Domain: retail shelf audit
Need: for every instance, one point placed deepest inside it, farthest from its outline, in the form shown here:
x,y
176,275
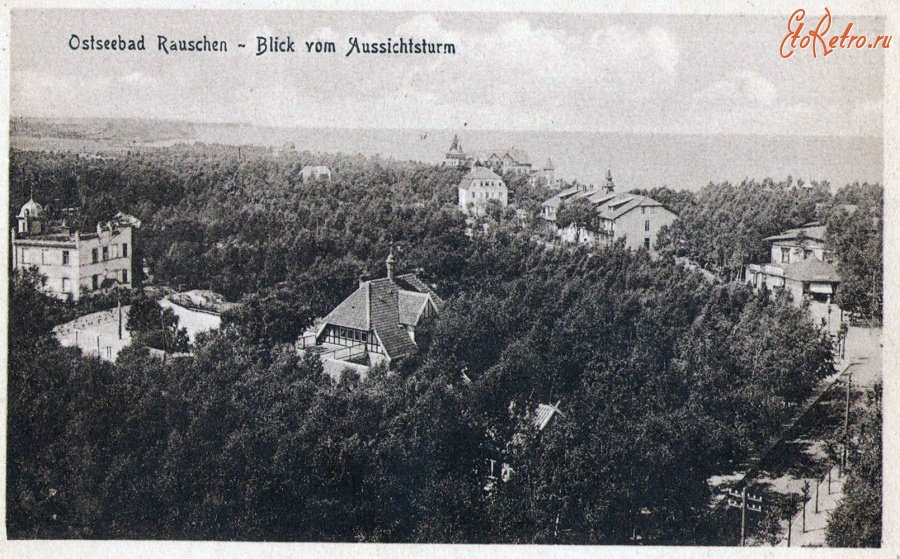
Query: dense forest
x,y
724,225
661,377
857,520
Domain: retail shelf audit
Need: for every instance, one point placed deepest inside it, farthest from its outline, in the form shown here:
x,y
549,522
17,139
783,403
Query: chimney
x,y
362,280
609,182
390,265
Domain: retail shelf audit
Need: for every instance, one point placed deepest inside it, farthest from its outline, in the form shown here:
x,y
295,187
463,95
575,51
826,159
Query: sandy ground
x,y
804,458
98,333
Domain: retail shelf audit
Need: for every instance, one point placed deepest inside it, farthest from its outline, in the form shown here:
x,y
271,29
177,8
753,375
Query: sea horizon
x,y
648,160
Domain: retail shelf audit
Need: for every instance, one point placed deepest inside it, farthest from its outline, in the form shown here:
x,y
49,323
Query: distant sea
x,y
636,160
679,161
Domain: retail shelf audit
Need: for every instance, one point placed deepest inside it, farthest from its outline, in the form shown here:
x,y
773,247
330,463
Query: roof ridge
x,y
368,300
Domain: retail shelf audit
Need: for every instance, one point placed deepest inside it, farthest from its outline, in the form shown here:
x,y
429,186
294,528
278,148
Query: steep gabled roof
x,y
410,306
353,312
411,282
518,156
385,318
383,306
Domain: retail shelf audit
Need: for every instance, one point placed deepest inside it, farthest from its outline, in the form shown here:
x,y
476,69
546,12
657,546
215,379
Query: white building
x,y
315,172
73,263
478,188
633,217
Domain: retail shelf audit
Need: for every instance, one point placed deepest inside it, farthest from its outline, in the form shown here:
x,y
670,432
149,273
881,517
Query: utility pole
x,y
789,532
162,323
818,483
745,506
805,500
743,515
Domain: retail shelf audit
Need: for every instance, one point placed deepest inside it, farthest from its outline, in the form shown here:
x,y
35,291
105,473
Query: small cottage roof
x,y
812,231
811,270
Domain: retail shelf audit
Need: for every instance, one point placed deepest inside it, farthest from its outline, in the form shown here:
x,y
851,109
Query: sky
x,y
638,73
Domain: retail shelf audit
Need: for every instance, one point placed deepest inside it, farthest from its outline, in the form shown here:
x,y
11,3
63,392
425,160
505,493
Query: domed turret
x,y
31,209
31,218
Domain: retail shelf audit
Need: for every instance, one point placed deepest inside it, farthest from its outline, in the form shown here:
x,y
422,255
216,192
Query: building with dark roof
x,y
377,322
633,217
801,263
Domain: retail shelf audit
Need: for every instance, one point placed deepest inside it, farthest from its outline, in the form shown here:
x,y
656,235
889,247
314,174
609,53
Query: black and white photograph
x,y
533,276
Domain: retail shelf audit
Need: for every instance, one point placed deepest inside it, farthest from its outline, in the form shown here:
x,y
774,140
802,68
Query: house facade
x,y
478,188
377,323
315,172
801,263
546,175
635,218
74,263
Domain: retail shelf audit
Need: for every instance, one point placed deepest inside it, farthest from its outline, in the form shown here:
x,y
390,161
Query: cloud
x,y
741,87
426,26
631,51
138,78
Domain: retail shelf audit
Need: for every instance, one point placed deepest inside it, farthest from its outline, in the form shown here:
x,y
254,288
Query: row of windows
x,y
494,195
47,256
351,334
106,251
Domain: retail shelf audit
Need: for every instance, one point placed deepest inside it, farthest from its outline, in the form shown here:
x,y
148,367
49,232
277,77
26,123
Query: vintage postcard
x,y
306,280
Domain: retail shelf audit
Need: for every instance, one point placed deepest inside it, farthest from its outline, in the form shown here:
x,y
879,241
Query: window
x,y
643,209
647,243
66,288
115,251
45,256
785,254
105,254
124,250
94,257
95,281
647,225
65,257
124,276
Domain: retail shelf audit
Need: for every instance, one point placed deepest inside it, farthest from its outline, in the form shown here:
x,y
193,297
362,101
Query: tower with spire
x,y
610,186
455,156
